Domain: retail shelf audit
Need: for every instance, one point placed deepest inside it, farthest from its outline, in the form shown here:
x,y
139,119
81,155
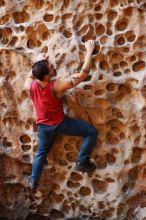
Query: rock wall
x,y
112,98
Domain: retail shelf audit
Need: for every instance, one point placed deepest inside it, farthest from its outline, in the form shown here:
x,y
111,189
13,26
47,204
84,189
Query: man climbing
x,y
51,120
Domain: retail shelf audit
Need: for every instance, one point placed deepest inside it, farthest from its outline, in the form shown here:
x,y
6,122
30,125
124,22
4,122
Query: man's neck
x,y
44,82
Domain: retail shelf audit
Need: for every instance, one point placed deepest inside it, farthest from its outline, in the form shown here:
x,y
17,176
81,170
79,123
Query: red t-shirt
x,y
49,109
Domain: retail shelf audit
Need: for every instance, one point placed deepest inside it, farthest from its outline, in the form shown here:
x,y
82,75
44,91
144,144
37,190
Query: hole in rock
x,y
109,32
99,186
118,73
13,41
139,1
44,50
111,87
112,139
76,176
116,112
144,6
83,208
88,87
126,187
138,66
48,17
85,191
112,15
108,213
123,64
116,66
98,16
10,75
136,154
68,147
104,65
35,148
72,184
109,180
101,77
26,158
113,3
110,158
97,8
63,163
103,39
66,3
99,92
5,19
133,173
2,3
88,78
100,162
9,144
67,16
61,28
31,44
5,35
131,38
126,89
101,205
38,4
45,35
24,95
117,57
127,71
21,28
26,147
73,49
25,139
133,58
96,49
67,33
57,155
121,40
100,30
21,17
115,130
6,143
71,156
122,25
126,49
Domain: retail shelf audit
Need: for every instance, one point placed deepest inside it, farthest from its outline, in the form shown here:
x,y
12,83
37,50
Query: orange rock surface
x,y
112,98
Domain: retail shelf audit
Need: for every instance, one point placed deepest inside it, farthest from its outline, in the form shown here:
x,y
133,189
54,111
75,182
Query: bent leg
x,y
77,127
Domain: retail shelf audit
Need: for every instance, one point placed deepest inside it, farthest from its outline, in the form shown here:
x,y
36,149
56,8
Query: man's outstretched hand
x,y
90,45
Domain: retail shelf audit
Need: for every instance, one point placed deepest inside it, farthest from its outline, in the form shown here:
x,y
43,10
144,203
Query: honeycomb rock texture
x,y
112,98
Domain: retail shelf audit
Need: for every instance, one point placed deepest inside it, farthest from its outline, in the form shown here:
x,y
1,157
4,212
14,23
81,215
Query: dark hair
x,y
40,69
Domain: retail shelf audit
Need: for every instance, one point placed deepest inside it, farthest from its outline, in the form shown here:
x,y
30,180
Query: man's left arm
x,y
28,81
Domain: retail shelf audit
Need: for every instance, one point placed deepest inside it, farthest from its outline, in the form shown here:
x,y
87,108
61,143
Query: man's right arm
x,y
61,85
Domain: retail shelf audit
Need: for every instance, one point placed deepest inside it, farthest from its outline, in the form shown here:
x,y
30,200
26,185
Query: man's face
x,y
52,70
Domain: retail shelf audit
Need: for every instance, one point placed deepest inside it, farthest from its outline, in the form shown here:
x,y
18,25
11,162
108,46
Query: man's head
x,y
42,68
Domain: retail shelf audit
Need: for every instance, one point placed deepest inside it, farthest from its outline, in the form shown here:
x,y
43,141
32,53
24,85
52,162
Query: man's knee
x,y
94,132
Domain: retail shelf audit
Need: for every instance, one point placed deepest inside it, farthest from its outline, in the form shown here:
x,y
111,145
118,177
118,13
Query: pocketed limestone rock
x,y
112,98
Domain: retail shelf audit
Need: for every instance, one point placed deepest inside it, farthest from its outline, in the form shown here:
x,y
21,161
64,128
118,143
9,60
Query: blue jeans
x,y
69,126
